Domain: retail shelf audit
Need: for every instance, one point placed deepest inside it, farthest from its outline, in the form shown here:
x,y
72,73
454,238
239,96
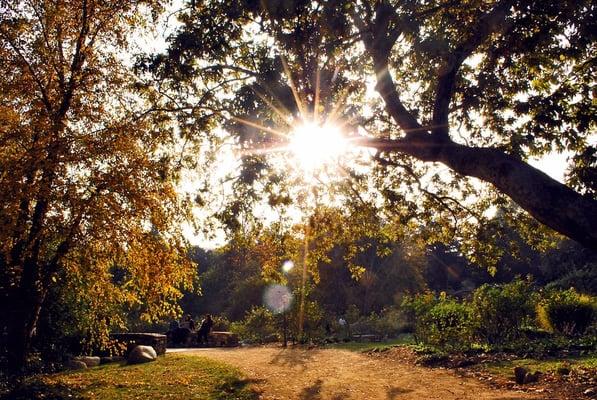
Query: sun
x,y
314,145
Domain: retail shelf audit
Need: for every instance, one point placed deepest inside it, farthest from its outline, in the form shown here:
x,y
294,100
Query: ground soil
x,y
302,373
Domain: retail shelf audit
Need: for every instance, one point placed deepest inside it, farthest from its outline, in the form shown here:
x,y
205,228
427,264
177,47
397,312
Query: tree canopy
x,y
89,214
478,86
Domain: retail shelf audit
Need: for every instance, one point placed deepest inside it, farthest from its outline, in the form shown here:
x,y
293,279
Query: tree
x,y
479,86
88,200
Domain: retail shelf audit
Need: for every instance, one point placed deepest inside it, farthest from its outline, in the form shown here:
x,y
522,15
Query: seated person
x,y
188,323
204,329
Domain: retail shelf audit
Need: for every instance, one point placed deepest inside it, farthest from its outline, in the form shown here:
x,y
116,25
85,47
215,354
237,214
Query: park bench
x,y
367,337
131,340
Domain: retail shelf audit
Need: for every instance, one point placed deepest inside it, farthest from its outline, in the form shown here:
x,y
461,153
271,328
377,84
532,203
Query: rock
x,y
564,371
519,374
532,377
464,363
107,360
142,354
88,360
75,365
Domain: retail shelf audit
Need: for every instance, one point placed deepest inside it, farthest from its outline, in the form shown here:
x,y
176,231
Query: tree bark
x,y
547,200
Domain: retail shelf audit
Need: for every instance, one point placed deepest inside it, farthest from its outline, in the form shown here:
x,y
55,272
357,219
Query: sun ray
x,y
256,151
285,116
316,100
297,98
261,127
334,114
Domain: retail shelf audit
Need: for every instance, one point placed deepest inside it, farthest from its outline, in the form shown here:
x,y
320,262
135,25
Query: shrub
x,y
583,279
415,310
449,324
567,312
499,311
221,323
441,321
258,326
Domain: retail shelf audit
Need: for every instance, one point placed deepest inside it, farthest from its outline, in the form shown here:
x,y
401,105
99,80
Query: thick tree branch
x,y
547,200
492,22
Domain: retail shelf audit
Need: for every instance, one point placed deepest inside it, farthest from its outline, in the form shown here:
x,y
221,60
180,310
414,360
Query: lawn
x,y
505,368
376,346
174,376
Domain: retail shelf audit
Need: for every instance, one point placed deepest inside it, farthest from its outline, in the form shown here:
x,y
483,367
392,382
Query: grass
x,y
174,376
373,346
505,368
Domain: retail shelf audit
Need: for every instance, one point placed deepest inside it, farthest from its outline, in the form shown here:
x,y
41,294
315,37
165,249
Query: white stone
x,y
142,354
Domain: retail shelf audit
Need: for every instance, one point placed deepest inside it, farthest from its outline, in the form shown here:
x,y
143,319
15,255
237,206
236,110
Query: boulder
x,y
88,360
75,365
523,375
142,354
519,374
131,340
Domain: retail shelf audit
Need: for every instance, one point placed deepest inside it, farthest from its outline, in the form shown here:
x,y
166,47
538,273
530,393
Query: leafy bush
x,y
442,321
221,323
499,311
567,312
449,324
582,279
258,326
415,309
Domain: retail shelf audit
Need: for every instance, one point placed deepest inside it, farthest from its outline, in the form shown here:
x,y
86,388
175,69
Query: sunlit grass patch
x,y
505,368
373,346
171,377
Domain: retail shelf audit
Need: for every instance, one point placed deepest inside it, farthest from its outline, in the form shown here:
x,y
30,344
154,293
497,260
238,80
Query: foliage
x,y
221,323
440,321
258,326
269,68
567,312
390,322
180,376
89,205
583,279
499,311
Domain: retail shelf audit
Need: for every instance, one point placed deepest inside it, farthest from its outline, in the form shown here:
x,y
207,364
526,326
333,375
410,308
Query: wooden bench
x,y
367,337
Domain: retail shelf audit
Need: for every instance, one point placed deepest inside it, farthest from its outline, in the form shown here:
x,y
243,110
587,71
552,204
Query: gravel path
x,y
338,374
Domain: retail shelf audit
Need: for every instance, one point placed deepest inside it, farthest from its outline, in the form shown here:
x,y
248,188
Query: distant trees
x,y
88,210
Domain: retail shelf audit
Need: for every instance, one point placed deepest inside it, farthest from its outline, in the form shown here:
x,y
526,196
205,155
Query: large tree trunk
x,y
547,200
27,303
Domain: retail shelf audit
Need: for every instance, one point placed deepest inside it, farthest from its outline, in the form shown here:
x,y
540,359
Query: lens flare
x,y
287,266
277,298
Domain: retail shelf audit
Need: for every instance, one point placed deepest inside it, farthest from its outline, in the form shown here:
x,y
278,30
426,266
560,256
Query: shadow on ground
x,y
293,357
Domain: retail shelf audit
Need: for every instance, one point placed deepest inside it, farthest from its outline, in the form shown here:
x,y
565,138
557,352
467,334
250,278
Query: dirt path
x,y
338,374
